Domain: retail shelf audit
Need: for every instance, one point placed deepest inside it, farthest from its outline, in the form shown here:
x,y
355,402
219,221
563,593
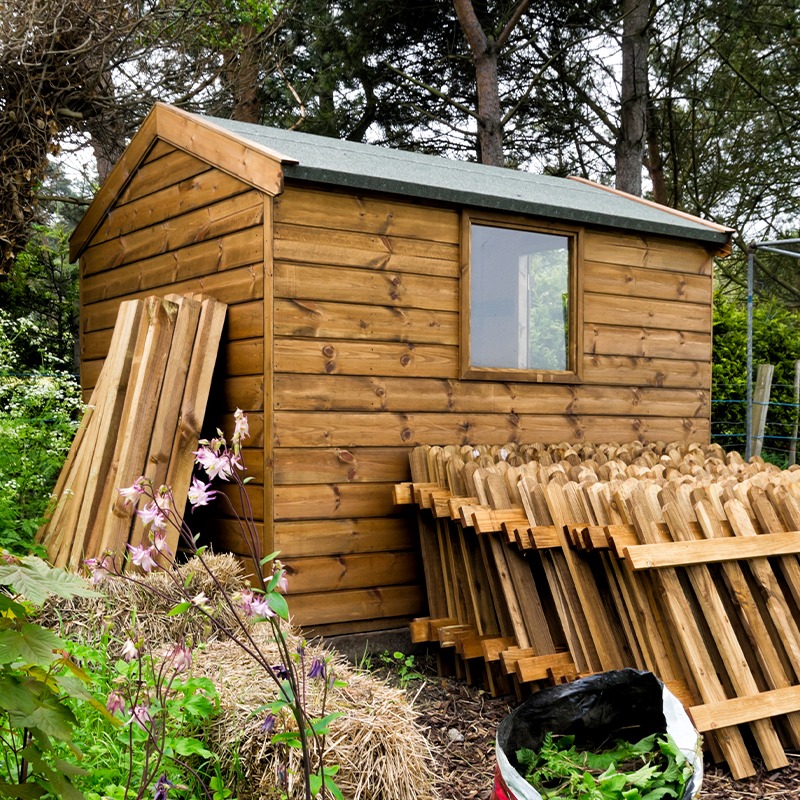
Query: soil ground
x,y
460,722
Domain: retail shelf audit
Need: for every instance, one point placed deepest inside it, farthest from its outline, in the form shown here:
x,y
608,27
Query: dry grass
x,y
380,750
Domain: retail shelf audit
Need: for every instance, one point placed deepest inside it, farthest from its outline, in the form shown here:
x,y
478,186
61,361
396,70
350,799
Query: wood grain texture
x,y
333,429
345,285
647,342
306,318
627,281
364,214
295,392
367,251
639,250
609,309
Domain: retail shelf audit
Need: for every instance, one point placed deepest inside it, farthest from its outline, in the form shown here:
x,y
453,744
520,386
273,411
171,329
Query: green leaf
x,y
191,747
289,738
40,709
179,609
34,579
11,608
270,557
320,726
277,602
30,643
21,791
199,705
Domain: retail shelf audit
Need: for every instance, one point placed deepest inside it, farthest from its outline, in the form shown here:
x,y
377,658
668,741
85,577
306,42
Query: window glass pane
x,y
519,299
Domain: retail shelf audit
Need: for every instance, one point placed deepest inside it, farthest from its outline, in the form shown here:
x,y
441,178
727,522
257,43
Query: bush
x,y
776,340
39,412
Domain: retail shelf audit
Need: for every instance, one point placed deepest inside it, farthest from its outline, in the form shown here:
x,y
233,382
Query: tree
x,y
90,70
632,135
486,50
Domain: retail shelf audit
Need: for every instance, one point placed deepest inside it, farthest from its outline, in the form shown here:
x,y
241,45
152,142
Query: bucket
x,y
623,704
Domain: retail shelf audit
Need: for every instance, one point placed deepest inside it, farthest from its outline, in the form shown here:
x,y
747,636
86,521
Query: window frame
x,y
574,374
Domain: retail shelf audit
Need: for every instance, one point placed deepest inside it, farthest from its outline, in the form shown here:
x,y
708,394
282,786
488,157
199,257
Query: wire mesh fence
x,y
779,440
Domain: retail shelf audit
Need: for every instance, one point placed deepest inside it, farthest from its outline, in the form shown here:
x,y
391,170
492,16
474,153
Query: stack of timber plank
x,y
546,563
143,418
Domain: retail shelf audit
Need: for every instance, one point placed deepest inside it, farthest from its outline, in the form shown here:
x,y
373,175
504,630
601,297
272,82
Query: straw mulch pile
x,y
380,751
379,748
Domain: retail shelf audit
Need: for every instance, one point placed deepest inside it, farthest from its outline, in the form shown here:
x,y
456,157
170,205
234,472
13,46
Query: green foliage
x,y
174,704
650,769
402,666
40,296
776,340
38,417
39,396
36,678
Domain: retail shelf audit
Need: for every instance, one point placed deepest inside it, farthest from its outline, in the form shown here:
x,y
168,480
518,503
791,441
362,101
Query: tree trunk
x,y
243,76
655,164
633,117
485,51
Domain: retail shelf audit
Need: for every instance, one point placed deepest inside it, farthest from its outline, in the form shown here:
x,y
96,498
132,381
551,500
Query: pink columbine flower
x,y
201,601
140,715
132,493
180,657
115,702
143,556
200,494
129,650
217,465
261,607
160,542
153,514
242,427
246,598
99,568
283,584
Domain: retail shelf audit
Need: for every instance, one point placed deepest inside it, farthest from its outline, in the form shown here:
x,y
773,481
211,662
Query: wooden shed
x,y
380,300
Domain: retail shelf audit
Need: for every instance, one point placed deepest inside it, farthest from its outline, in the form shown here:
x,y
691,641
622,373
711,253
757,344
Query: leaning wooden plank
x,y
710,551
740,710
763,645
769,521
113,521
165,423
602,634
568,609
688,634
730,649
527,592
440,601
45,534
194,401
536,668
98,447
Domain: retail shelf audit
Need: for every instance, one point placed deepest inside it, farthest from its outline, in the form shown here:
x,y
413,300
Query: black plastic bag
x,y
624,704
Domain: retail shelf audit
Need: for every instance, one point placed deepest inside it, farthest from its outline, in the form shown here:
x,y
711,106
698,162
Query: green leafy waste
x,y
650,769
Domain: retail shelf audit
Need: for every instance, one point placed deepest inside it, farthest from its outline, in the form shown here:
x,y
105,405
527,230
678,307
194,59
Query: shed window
x,y
521,298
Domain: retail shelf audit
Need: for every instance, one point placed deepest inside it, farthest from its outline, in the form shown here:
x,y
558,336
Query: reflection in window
x,y
519,299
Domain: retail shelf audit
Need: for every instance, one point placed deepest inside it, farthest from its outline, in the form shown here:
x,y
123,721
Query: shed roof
x,y
364,166
264,156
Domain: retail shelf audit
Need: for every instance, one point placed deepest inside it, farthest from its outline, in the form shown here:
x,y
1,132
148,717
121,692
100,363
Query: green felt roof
x,y
368,167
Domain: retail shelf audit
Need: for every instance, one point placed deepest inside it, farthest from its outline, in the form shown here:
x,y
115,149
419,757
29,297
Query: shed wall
x,y
365,324
361,356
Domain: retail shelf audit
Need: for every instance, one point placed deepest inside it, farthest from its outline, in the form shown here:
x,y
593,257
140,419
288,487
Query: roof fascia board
x,y
724,249
251,163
